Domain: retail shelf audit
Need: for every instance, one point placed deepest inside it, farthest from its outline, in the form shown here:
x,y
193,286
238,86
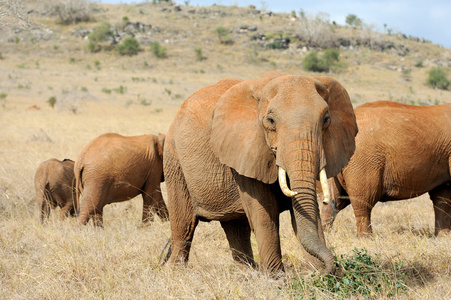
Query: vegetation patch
x,y
158,50
101,37
438,78
329,60
223,35
130,46
363,277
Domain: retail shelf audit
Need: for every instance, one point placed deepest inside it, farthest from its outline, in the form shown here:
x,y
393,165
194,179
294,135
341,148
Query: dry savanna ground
x,y
105,92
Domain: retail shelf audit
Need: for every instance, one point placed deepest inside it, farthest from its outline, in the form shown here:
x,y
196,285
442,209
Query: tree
x,y
353,21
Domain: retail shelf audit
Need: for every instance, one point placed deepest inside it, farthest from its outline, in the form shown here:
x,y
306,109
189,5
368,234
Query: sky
x,y
430,20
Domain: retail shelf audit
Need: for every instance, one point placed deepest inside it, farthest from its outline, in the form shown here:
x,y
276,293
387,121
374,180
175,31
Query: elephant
x,y
230,142
115,168
54,184
402,151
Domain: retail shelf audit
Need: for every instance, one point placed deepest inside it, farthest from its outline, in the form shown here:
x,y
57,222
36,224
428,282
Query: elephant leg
x,y
67,205
441,198
262,210
181,216
91,207
153,203
364,186
97,218
238,234
66,210
44,209
363,220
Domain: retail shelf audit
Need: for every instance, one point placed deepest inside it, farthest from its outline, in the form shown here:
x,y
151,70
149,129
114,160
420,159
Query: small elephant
x,y
402,151
114,168
228,145
54,184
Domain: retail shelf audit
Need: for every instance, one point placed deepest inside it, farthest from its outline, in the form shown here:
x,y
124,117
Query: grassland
x,y
105,92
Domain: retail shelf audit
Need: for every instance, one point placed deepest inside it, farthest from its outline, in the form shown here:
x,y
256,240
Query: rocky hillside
x,y
182,48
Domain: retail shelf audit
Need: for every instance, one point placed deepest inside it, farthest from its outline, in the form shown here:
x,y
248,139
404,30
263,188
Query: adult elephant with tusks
x,y
225,149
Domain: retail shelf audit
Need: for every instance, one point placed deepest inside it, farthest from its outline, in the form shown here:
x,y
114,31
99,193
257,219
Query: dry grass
x,y
61,261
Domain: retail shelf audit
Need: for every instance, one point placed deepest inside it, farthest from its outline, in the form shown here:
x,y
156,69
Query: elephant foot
x,y
442,233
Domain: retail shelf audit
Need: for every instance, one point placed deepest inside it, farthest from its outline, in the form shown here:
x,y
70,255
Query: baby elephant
x,y
54,183
115,168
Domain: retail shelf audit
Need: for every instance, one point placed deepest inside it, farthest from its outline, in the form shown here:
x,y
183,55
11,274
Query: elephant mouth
x,y
289,193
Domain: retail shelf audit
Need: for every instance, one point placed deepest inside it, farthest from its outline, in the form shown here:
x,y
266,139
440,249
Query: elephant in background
x,y
54,184
402,151
231,141
115,168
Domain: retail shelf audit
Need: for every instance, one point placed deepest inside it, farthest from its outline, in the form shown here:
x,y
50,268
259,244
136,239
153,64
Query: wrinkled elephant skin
x,y
114,168
223,151
402,151
54,184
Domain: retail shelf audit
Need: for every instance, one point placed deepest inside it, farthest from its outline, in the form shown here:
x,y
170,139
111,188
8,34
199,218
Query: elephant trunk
x,y
303,170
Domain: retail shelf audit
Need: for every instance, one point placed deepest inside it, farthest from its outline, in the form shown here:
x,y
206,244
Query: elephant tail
x,y
78,188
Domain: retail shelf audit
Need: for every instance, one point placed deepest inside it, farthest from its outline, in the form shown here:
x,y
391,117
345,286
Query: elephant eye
x,y
270,123
326,121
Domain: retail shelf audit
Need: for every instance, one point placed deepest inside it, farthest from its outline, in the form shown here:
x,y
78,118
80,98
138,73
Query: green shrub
x,y
223,35
130,46
438,78
330,57
158,50
199,55
312,63
52,101
120,90
101,37
363,277
325,63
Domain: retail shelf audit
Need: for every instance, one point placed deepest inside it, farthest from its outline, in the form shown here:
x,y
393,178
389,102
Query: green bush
x,y
223,35
130,46
52,101
158,50
438,78
199,55
330,57
312,63
101,37
363,277
325,63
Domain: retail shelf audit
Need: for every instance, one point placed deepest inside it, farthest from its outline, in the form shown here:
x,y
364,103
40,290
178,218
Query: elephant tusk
x,y
324,186
283,183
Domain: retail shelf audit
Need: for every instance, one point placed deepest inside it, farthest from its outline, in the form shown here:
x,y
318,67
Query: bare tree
x,y
315,30
71,11
14,15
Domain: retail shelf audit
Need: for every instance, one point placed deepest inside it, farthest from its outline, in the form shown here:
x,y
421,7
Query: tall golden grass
x,y
58,260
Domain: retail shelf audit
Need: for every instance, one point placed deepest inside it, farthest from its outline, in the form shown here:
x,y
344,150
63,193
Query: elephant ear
x,y
237,138
339,137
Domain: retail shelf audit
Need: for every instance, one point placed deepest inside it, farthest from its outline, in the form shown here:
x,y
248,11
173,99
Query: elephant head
x,y
284,122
